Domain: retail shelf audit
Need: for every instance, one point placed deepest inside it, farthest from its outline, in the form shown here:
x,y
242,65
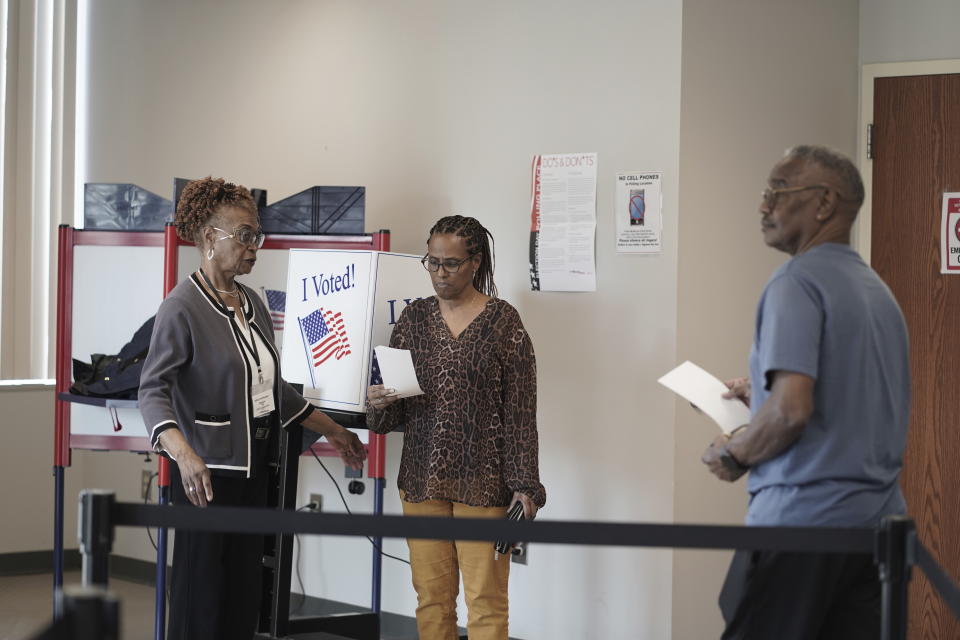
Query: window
x,y
37,123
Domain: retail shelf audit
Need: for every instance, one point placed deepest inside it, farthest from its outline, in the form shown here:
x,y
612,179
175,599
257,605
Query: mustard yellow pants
x,y
437,566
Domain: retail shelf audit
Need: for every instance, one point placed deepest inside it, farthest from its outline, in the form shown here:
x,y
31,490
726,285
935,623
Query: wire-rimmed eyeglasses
x,y
244,235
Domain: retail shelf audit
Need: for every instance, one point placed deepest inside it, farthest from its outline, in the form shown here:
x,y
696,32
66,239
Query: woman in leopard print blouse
x,y
470,444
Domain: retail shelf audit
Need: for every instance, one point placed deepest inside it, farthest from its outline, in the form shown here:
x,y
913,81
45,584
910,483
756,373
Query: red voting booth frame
x,y
64,442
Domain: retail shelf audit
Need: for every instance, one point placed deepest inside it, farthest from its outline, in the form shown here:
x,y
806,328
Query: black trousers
x,y
802,596
216,578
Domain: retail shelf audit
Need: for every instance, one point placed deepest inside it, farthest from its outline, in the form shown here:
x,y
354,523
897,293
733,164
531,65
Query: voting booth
x,y
110,282
340,305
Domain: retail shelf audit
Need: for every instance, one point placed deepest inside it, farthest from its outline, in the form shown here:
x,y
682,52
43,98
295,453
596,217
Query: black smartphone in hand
x,y
515,513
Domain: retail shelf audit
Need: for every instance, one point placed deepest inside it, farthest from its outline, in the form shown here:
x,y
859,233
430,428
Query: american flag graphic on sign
x,y
277,303
325,336
375,376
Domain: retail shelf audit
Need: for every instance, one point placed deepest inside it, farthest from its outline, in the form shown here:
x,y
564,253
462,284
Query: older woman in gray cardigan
x,y
214,402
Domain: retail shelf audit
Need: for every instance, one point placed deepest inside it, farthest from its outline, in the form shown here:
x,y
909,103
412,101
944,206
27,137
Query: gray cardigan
x,y
197,379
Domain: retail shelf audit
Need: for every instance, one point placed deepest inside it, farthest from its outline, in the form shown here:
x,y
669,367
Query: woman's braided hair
x,y
479,241
200,201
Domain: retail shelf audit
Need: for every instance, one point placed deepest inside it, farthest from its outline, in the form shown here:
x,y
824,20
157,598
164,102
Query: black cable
x,y
347,507
296,541
146,500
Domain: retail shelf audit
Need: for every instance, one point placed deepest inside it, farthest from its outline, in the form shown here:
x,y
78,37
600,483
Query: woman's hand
x,y
529,508
380,397
196,479
349,447
193,471
346,442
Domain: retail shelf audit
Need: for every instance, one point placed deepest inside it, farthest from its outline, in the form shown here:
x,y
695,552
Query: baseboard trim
x,y
31,562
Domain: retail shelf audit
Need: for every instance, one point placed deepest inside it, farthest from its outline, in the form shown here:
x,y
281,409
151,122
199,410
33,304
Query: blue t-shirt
x,y
827,315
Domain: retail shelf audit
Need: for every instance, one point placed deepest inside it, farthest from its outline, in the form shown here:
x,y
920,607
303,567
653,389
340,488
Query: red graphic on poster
x,y
950,242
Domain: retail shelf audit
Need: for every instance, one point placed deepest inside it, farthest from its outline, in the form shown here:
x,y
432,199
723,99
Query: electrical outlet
x,y
519,553
317,499
145,476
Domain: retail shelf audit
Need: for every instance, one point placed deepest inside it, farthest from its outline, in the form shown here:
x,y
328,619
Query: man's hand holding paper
x,y
725,404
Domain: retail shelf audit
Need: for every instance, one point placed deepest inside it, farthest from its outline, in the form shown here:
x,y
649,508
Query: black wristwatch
x,y
728,460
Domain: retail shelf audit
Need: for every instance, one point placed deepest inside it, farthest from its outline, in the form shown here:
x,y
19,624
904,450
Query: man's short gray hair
x,y
836,163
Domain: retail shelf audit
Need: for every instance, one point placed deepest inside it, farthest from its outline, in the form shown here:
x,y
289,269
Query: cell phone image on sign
x,y
638,206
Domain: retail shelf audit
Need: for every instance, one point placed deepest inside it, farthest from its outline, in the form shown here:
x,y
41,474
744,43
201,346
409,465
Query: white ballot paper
x,y
706,392
396,369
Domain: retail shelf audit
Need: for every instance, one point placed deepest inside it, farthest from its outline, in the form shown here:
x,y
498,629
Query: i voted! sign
x,y
340,304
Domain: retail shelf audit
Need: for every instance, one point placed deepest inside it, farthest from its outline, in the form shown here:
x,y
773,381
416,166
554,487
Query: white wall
x,y
750,90
27,501
27,498
897,31
437,107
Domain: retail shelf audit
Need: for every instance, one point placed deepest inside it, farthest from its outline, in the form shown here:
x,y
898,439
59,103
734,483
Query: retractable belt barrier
x,y
893,543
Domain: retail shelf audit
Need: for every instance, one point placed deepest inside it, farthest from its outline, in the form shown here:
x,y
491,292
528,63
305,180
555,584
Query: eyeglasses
x,y
450,266
770,195
244,235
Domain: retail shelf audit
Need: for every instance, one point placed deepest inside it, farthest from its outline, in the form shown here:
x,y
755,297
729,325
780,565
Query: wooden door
x,y
916,157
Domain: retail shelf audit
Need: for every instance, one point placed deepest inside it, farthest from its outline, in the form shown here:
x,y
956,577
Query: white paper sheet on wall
x,y
563,222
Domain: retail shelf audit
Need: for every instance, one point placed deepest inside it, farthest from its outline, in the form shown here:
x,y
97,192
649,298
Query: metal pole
x,y
378,485
96,535
895,556
61,426
171,260
57,540
160,601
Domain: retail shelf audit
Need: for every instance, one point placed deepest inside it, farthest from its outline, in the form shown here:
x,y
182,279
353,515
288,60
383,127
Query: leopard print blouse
x,y
472,436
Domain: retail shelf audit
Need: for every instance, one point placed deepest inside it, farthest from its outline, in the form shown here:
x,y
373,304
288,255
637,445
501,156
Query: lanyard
x,y
251,346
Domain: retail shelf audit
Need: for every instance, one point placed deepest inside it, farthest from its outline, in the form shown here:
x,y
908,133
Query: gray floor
x,y
26,605
26,608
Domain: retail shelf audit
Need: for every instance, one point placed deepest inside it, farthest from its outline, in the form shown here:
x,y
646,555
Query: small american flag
x,y
325,336
375,376
277,303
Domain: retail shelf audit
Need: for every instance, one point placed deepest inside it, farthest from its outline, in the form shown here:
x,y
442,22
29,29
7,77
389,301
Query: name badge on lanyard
x,y
262,397
261,391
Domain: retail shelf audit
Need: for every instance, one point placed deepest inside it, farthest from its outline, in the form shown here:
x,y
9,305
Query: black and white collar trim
x,y
249,312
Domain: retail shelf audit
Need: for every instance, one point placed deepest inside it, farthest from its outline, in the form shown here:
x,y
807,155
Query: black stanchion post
x,y
96,535
93,613
895,556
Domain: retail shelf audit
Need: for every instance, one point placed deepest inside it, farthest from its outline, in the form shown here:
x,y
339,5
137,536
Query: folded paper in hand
x,y
706,393
396,368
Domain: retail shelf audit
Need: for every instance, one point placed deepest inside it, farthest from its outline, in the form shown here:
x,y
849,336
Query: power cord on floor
x,y
347,507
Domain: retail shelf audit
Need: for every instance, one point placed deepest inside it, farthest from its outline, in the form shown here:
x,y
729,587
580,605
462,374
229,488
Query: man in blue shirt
x,y
829,391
